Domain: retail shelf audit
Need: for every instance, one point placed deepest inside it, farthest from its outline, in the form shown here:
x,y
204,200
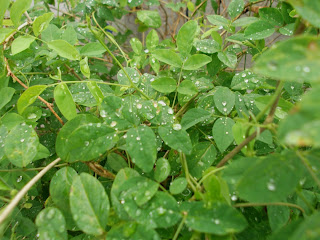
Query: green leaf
x,y
95,91
222,133
132,231
3,135
308,9
141,146
21,43
167,56
196,61
259,30
185,37
177,139
202,156
149,18
84,138
219,219
224,100
116,162
229,58
272,16
152,40
287,29
245,21
6,94
4,4
4,33
271,179
308,229
193,117
64,101
21,145
41,23
17,9
136,45
89,204
163,170
178,185
92,49
133,74
278,216
207,46
29,96
164,84
51,225
235,8
64,49
84,67
218,20
187,87
239,131
60,186
52,32
295,59
69,35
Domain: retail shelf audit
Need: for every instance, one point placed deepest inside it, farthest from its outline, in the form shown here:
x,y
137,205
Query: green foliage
x,y
178,125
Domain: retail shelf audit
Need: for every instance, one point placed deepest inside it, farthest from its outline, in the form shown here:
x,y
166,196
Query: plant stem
x,y
186,171
238,205
14,202
175,237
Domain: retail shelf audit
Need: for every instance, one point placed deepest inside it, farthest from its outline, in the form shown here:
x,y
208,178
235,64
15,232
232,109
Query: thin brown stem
x,y
73,72
101,171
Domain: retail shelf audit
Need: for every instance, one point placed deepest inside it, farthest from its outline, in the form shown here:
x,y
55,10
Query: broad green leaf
x,y
10,120
272,16
89,204
17,9
3,135
178,185
271,179
41,23
246,80
193,117
6,94
185,37
152,40
21,145
278,216
132,231
64,101
84,67
295,59
176,138
287,29
29,96
2,69
95,91
116,162
69,35
133,74
202,156
92,49
207,46
164,84
239,131
196,61
141,146
83,138
187,87
245,21
136,45
224,100
259,30
308,9
167,56
4,33
222,133
4,4
52,32
60,186
235,8
64,49
282,109
219,219
218,20
51,225
149,18
229,58
139,189
163,170
21,43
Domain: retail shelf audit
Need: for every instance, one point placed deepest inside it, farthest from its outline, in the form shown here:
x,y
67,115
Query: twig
x,y
15,201
73,72
98,169
10,73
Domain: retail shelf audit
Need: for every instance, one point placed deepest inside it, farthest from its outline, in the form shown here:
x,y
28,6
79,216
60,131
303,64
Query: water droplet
x,y
22,140
113,124
139,105
176,126
271,185
19,179
224,103
138,138
306,69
